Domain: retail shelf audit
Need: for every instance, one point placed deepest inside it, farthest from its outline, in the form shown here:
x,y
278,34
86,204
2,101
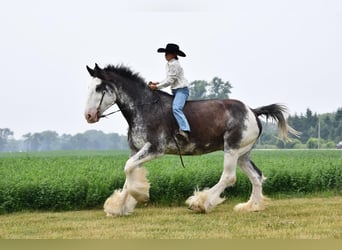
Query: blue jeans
x,y
179,98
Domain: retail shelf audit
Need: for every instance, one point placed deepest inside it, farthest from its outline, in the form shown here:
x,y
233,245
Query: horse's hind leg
x,y
206,200
256,201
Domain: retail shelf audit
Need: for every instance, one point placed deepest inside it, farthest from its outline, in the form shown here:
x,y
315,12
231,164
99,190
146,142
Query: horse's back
x,y
211,119
214,103
215,110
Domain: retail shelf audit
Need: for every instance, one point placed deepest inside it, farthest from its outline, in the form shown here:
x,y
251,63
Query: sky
x,y
284,51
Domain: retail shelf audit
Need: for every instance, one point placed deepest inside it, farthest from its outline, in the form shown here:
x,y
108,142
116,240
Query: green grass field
x,y
55,181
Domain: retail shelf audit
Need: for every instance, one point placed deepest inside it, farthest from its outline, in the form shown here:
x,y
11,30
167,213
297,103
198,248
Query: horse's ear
x,y
99,72
91,71
97,68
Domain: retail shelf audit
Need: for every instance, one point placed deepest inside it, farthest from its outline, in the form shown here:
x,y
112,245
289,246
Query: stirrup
x,y
182,135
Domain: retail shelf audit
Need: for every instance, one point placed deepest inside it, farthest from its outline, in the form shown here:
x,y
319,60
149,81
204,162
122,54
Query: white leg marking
x,y
139,158
119,203
206,200
257,200
136,188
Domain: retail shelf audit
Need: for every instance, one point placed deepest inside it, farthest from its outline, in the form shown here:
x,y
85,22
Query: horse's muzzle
x,y
92,116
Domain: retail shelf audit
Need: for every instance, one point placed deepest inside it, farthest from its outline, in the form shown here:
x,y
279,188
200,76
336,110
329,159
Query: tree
x,y
338,116
312,143
28,141
64,142
5,133
35,142
219,89
325,127
307,125
198,90
215,89
49,140
79,141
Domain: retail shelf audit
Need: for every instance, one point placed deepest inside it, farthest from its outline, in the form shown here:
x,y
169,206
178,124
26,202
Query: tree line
x,y
51,140
318,131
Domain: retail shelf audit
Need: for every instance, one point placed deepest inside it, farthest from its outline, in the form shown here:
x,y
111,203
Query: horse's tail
x,y
276,112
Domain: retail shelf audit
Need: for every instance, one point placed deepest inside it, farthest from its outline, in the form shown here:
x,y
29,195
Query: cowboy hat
x,y
172,48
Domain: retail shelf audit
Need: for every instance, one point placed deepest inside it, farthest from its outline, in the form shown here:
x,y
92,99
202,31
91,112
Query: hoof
x,y
250,206
195,205
200,202
119,204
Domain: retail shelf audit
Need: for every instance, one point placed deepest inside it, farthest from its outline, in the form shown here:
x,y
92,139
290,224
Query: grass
x,y
299,218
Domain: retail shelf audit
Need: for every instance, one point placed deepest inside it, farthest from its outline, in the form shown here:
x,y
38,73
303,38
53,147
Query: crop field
x,y
60,181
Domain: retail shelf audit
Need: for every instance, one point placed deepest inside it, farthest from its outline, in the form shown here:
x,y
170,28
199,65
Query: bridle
x,y
99,106
119,110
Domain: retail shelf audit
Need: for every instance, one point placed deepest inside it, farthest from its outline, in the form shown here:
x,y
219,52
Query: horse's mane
x,y
125,72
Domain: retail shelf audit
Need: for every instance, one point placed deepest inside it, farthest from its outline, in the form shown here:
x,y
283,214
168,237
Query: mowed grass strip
x,y
300,218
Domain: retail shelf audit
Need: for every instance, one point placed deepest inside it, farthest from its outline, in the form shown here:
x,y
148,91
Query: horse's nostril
x,y
88,116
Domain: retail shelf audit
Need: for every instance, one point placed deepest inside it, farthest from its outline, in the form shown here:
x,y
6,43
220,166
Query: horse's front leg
x,y
136,187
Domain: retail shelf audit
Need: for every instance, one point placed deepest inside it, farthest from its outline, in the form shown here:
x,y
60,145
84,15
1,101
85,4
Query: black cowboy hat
x,y
172,48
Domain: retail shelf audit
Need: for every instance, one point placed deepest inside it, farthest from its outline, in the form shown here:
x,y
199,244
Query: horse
x,y
216,124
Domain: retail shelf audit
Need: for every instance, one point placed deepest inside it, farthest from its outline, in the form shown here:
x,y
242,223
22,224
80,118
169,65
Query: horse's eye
x,y
109,90
100,88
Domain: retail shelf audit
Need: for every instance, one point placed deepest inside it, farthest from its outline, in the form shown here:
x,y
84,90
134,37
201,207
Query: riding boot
x,y
183,135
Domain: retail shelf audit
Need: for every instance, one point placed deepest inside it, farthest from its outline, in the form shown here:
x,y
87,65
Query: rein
x,y
173,137
141,104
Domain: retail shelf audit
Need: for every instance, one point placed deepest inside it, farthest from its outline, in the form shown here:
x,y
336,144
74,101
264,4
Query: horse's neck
x,y
130,103
140,110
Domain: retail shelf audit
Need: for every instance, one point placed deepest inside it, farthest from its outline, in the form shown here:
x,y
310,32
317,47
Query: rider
x,y
179,87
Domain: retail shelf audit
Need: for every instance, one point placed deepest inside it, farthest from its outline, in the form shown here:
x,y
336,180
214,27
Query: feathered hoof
x,y
119,204
138,185
200,202
140,195
250,206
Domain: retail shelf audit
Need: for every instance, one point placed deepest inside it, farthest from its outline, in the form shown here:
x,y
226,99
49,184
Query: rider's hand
x,y
152,85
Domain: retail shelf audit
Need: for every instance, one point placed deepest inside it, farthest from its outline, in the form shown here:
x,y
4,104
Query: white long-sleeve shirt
x,y
174,76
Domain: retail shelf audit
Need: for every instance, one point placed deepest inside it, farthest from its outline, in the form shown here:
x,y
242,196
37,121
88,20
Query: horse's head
x,y
101,95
